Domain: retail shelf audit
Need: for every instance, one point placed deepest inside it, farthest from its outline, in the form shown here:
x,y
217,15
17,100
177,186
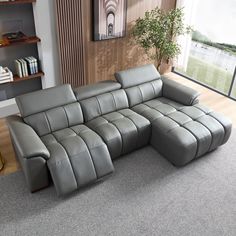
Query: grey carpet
x,y
145,196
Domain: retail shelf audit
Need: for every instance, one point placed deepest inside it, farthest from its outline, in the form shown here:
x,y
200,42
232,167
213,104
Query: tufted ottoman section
x,y
78,156
183,133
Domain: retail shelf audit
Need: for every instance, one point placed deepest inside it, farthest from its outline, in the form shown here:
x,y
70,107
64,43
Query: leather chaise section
x,y
78,157
182,133
123,131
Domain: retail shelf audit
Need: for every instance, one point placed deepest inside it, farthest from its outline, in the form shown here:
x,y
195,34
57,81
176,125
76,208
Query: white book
x,y
18,68
30,66
22,67
35,61
7,76
5,80
26,68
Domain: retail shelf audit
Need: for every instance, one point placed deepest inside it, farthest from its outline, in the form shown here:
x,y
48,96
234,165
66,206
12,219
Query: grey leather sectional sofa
x,y
73,136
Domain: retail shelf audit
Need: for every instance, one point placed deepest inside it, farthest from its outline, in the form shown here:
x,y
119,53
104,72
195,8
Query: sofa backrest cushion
x,y
141,83
50,109
92,90
101,98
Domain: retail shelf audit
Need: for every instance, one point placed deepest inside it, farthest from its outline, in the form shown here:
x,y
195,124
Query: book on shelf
x,y
5,75
26,66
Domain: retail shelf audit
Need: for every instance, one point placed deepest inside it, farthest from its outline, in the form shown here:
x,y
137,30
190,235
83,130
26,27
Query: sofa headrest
x,y
136,76
42,100
92,90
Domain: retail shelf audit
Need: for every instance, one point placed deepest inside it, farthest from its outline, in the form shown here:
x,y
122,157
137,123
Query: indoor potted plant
x,y
157,31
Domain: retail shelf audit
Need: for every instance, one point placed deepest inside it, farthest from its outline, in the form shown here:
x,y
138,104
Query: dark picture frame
x,y
109,19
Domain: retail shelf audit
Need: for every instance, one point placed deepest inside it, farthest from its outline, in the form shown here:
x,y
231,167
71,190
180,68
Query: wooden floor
x,y
209,98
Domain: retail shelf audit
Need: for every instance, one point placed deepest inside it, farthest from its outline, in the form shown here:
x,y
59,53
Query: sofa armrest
x,y
179,92
25,139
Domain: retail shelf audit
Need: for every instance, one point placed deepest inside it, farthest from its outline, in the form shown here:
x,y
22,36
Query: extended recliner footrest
x,y
78,160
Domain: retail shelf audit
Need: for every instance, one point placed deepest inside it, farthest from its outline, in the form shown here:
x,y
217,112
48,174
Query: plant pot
x,y
165,68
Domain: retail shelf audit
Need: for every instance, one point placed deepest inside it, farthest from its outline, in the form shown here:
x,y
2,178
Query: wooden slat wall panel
x,y
103,58
70,37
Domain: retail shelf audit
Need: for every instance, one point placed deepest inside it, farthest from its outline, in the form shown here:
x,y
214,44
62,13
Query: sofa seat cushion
x,y
182,133
156,108
123,131
78,156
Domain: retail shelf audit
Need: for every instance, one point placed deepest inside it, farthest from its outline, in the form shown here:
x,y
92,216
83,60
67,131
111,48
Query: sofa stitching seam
x,y
140,93
91,157
47,119
66,116
114,101
134,125
99,105
68,157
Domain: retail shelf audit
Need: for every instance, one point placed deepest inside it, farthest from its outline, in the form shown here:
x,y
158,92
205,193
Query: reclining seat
x,y
182,129
106,111
51,134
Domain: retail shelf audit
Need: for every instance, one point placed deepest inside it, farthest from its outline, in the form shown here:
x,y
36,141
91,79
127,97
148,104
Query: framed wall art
x,y
109,19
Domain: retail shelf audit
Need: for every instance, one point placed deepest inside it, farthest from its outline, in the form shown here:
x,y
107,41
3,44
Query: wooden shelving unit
x,y
17,2
25,41
28,40
16,78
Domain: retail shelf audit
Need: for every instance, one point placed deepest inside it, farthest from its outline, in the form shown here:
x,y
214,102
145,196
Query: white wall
x,y
45,24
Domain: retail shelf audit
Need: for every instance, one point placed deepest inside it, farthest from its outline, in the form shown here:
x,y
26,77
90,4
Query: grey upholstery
x,y
22,134
108,115
92,90
73,136
183,133
136,76
182,130
44,100
102,104
51,135
78,157
95,102
141,84
31,152
123,131
57,109
179,92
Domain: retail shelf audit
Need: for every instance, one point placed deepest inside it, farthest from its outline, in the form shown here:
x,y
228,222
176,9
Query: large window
x,y
209,57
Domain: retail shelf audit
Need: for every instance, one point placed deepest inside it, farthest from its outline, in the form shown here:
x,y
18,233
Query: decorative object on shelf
x,y
14,36
5,75
1,162
109,19
4,43
157,31
27,66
